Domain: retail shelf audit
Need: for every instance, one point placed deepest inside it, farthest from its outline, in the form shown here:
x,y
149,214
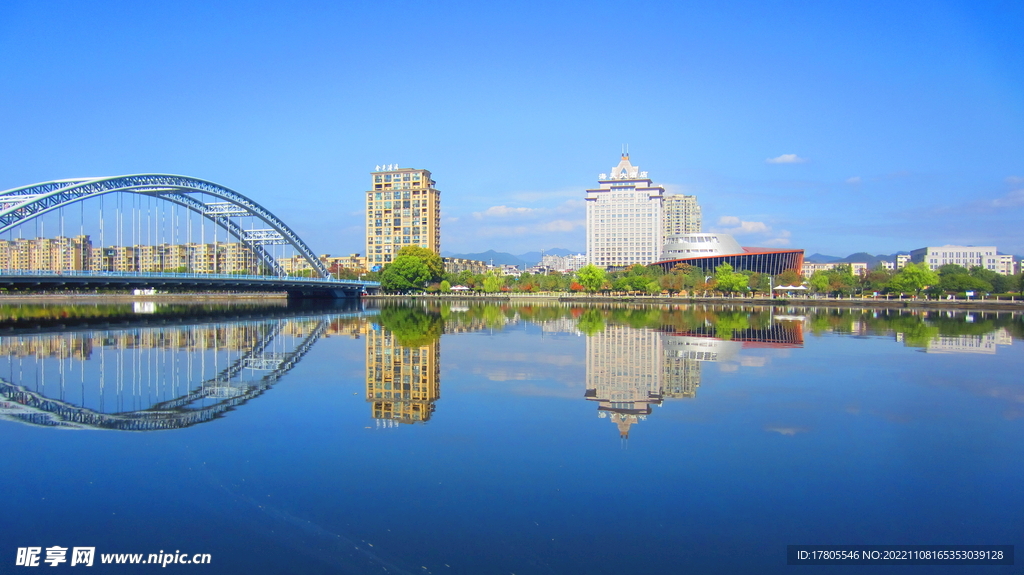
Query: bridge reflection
x,y
138,377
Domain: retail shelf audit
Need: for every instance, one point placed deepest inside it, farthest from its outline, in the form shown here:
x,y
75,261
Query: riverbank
x,y
1015,304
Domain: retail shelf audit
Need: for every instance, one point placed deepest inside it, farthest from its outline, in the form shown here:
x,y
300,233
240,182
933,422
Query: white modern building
x,y
624,218
699,246
966,256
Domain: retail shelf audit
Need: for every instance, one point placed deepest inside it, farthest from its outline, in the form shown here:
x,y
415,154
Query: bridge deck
x,y
294,286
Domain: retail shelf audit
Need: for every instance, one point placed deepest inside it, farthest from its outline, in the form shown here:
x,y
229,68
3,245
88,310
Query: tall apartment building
x,y
403,208
966,256
681,215
624,218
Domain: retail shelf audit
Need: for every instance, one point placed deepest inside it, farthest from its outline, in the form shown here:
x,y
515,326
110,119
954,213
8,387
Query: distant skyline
x,y
871,126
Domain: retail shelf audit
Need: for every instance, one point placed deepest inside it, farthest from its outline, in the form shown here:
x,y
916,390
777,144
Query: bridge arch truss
x,y
23,204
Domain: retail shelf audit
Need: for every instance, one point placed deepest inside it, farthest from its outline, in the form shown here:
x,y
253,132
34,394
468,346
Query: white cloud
x,y
504,212
561,225
786,159
555,226
539,196
853,180
1014,180
790,431
738,227
1010,200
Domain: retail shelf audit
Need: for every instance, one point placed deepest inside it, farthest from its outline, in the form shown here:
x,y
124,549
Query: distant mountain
x,y
504,258
821,259
862,257
491,257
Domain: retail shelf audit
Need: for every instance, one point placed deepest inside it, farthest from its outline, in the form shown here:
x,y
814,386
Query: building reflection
x,y
402,382
631,370
625,374
986,343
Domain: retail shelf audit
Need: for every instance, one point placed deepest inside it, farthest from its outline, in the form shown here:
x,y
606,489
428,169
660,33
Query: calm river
x,y
470,438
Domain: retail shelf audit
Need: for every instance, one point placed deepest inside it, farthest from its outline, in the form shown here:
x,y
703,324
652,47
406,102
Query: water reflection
x,y
630,369
403,366
153,367
137,377
403,357
758,412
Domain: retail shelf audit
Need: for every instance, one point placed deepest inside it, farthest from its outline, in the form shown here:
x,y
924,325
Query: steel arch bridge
x,y
20,205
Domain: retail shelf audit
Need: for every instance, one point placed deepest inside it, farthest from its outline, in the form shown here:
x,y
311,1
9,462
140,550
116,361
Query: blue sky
x,y
904,121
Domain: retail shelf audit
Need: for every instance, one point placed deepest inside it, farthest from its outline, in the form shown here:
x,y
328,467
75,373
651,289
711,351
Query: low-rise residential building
x,y
46,254
1005,265
900,263
459,265
808,268
298,264
966,256
567,263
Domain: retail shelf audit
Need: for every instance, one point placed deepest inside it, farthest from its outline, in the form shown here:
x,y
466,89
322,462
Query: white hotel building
x,y
624,218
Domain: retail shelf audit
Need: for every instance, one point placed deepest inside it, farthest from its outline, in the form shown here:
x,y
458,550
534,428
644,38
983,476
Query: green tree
x,y
876,279
404,274
435,267
841,280
1003,284
913,278
962,282
446,286
492,282
758,282
952,270
729,281
590,277
819,281
788,278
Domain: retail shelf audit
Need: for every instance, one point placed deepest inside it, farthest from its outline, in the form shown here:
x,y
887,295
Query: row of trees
x,y
420,269
915,279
